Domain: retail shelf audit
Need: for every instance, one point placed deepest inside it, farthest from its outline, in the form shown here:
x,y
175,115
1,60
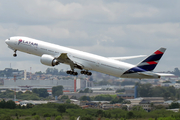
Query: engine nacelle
x,y
49,60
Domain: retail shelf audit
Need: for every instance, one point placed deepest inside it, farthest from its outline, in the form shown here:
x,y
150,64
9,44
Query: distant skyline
x,y
107,28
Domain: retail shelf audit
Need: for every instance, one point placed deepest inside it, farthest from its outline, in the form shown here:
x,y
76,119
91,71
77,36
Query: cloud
x,y
98,11
52,9
149,12
110,51
103,27
44,31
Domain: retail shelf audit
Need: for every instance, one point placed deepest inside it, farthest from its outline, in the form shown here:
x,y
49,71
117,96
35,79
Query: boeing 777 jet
x,y
52,55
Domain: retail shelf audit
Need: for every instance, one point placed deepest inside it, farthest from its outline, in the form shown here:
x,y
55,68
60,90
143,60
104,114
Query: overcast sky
x,y
111,28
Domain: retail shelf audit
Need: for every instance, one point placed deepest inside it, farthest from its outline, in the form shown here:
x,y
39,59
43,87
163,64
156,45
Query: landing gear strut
x,y
15,53
86,73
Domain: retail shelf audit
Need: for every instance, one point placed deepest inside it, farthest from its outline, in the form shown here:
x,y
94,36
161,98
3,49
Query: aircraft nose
x,y
7,41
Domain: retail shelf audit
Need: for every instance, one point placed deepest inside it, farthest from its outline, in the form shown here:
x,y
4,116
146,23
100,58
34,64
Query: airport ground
x,y
50,112
55,111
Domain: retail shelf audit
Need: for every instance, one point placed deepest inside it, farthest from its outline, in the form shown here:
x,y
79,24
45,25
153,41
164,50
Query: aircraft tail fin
x,y
151,61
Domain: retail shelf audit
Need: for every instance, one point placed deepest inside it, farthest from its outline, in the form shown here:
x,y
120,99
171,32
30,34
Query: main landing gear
x,y
86,73
71,72
15,53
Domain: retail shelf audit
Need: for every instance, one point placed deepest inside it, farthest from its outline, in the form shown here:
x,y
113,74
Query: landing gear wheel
x,y
71,72
15,55
86,73
75,73
89,73
82,72
68,72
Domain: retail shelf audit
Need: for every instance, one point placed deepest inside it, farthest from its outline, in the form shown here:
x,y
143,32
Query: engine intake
x,y
49,60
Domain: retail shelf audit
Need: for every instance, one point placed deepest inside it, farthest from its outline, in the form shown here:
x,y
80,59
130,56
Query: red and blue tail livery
x,y
151,61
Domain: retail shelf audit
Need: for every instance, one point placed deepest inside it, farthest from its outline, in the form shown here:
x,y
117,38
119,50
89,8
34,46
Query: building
x,y
80,84
146,105
23,85
135,101
130,92
147,102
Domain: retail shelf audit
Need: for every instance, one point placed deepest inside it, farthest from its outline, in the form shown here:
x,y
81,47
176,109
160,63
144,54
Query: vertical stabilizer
x,y
151,61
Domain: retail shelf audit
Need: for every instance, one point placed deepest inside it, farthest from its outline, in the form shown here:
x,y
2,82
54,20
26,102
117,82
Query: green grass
x,y
51,109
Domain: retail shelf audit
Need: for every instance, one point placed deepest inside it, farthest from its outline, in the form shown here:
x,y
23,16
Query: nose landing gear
x,y
15,53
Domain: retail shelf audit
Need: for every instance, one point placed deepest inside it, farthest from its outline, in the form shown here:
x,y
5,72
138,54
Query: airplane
x,y
52,55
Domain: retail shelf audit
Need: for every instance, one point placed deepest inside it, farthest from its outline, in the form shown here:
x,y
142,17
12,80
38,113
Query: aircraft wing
x,y
64,58
125,58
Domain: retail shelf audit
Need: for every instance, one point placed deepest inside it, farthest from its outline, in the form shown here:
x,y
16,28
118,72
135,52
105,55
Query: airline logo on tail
x,y
149,63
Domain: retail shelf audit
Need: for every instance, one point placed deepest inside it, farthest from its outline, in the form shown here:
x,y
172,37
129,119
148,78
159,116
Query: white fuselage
x,y
87,60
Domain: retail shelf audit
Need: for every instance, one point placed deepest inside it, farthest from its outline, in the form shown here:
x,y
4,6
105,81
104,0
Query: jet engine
x,y
49,60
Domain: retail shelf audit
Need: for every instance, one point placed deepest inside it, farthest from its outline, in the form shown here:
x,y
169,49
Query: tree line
x,y
112,98
36,94
8,72
53,71
169,93
10,104
71,112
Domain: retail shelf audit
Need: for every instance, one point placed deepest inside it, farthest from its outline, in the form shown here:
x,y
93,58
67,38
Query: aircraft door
x,y
16,42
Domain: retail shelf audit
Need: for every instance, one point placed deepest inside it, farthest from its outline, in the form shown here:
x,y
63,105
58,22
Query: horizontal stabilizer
x,y
165,74
127,57
149,74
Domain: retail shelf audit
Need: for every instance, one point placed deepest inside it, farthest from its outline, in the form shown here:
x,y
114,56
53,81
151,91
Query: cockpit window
x,y
8,38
